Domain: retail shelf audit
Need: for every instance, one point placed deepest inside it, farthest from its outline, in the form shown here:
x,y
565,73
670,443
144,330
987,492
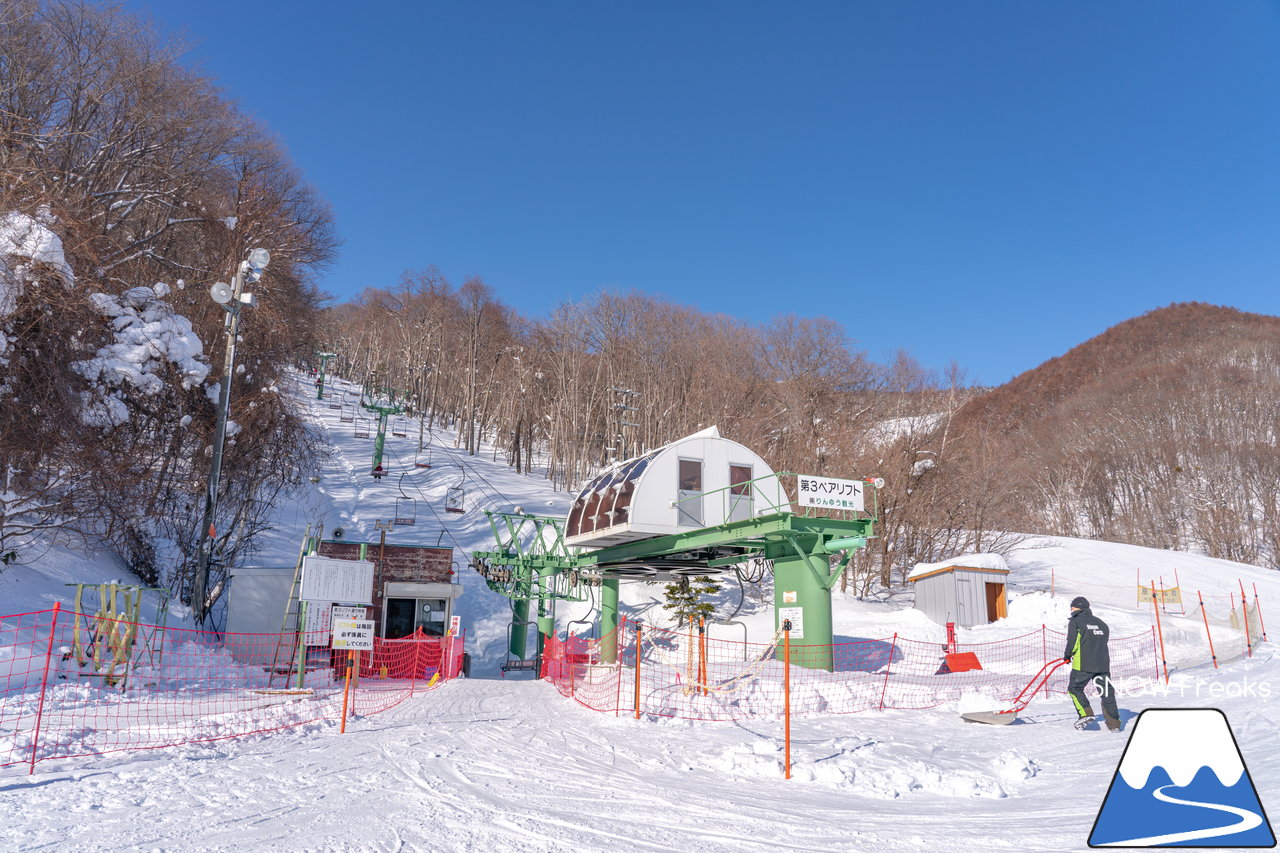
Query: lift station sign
x,y
829,493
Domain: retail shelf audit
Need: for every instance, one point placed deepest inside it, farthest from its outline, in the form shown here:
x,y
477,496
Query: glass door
x,y
689,494
740,503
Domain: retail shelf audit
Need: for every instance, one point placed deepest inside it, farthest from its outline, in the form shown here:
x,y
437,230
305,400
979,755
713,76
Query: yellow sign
x,y
353,634
1147,594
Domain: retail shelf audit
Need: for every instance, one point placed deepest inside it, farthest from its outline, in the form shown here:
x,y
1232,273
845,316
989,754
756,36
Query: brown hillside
x,y
1152,348
1162,431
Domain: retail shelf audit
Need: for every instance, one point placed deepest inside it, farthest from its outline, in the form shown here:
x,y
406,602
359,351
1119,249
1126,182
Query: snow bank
x,y
885,770
973,561
24,242
149,340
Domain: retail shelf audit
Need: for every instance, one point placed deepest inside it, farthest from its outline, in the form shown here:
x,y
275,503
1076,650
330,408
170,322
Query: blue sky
x,y
985,182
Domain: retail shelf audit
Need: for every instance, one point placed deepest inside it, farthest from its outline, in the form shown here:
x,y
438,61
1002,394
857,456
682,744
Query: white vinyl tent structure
x,y
702,480
968,590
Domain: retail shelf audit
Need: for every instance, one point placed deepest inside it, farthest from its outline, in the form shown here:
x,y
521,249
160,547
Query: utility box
x,y
968,590
256,599
702,480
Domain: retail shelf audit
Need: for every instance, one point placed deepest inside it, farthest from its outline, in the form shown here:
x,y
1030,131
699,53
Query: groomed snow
x,y
495,765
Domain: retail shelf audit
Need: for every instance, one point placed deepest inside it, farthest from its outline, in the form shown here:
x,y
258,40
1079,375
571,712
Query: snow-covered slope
x,y
493,764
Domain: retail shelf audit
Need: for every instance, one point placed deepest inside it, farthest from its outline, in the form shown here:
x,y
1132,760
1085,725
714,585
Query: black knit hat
x,y
1079,603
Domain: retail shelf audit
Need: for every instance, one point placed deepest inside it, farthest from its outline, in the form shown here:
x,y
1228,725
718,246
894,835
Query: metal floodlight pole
x,y
231,299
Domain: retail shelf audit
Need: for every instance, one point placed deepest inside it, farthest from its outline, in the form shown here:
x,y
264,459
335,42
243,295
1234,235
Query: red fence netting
x,y
72,685
682,675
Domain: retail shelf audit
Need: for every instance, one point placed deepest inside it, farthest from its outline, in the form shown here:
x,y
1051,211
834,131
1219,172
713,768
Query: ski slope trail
x,y
486,764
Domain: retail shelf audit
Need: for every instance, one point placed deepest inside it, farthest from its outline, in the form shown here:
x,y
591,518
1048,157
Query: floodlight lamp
x,y
259,258
878,482
221,293
254,275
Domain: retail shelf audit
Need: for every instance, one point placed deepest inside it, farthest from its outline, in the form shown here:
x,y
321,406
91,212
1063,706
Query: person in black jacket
x,y
1087,637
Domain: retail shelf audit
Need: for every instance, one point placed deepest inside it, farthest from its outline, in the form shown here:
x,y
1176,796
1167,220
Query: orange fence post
x,y
413,673
702,655
346,690
1258,604
888,668
786,693
1203,613
1160,632
1244,618
637,670
44,682
619,631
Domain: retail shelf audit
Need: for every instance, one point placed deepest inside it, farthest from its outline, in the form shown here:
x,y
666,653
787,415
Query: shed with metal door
x,y
968,590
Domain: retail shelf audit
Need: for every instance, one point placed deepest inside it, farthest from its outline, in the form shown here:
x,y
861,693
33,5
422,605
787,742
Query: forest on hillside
x,y
129,185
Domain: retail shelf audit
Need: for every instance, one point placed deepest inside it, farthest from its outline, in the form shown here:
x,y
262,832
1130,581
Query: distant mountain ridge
x,y
1128,354
1161,431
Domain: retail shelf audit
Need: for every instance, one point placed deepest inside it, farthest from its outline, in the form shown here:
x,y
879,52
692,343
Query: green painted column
x,y
800,591
519,627
324,362
379,443
546,617
609,620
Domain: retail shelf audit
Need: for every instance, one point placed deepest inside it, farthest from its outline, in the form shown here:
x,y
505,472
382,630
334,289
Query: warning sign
x,y
1169,595
796,616
354,634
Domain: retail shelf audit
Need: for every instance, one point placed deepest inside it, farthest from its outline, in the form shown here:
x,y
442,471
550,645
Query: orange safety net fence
x,y
74,686
685,676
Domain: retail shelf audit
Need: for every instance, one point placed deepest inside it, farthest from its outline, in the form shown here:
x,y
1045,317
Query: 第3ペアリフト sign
x,y
829,493
354,634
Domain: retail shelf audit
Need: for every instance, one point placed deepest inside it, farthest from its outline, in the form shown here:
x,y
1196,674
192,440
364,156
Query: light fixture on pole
x,y
231,297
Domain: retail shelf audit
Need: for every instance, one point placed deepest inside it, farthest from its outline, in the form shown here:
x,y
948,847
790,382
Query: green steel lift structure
x,y
533,566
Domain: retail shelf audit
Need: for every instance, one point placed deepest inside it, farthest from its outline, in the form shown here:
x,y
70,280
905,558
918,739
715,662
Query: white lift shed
x,y
701,480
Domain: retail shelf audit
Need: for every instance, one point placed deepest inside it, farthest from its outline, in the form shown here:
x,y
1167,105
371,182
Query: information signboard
x,y
327,579
796,616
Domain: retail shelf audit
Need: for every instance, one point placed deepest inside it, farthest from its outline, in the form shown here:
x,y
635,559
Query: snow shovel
x,y
1007,716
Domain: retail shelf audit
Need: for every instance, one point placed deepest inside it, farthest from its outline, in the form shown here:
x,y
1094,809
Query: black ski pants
x,y
1102,680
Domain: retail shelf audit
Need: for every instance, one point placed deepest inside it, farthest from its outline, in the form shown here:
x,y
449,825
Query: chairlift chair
x,y
361,428
406,511
400,427
422,459
454,499
348,413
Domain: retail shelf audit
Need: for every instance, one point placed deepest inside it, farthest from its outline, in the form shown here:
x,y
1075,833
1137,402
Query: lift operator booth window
x,y
406,615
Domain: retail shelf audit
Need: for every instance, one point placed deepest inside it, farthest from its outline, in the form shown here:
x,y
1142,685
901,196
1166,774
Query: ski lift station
x,y
700,505
402,587
968,590
702,480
